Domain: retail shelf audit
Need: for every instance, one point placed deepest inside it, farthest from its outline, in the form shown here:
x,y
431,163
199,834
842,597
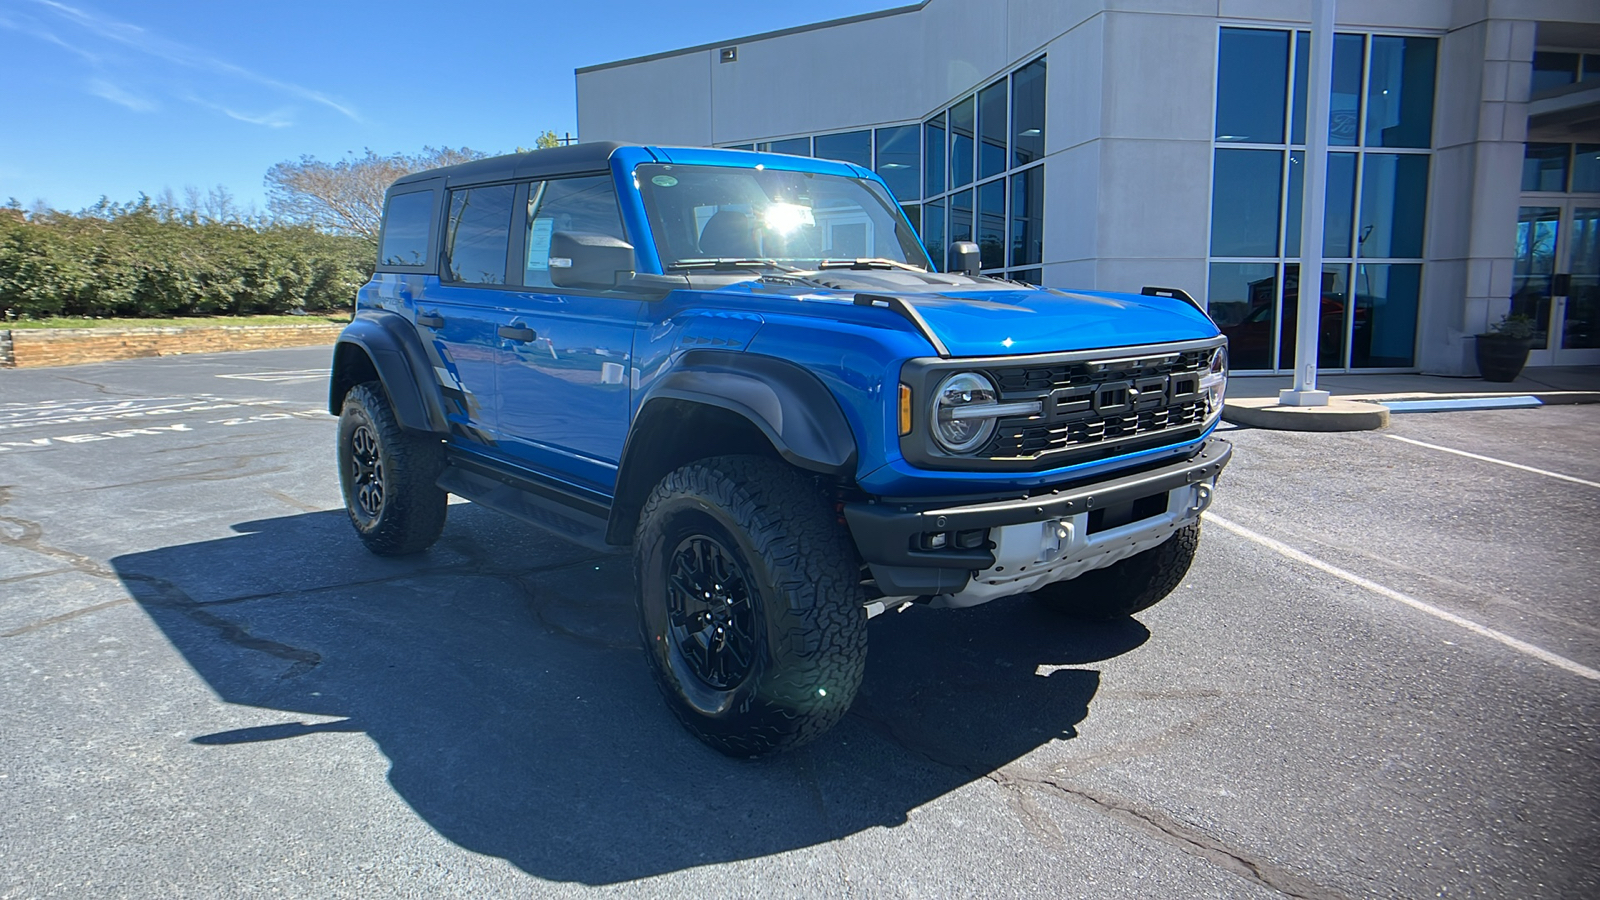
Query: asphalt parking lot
x,y
1379,680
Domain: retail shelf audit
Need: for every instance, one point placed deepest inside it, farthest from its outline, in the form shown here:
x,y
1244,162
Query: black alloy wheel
x,y
711,620
366,472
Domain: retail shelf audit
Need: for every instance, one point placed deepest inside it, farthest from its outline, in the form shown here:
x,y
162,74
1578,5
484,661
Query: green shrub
x,y
138,261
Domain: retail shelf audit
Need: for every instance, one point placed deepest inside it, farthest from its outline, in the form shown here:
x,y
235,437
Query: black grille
x,y
1130,404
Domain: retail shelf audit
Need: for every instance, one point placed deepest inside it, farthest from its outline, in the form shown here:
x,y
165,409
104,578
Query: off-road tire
x,y
408,511
809,625
1126,586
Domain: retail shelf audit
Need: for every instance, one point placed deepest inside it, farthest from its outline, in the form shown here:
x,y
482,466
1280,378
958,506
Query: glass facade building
x,y
1098,146
1380,141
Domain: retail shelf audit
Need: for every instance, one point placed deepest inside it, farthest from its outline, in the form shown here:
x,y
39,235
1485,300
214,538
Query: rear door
x,y
462,314
565,386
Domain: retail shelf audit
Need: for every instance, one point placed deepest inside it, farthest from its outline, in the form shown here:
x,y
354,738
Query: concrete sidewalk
x,y
1357,399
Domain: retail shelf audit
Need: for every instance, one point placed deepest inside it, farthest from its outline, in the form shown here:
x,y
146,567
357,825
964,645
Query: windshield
x,y
721,216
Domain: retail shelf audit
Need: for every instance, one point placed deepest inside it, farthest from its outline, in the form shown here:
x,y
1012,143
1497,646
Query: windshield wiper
x,y
865,263
729,262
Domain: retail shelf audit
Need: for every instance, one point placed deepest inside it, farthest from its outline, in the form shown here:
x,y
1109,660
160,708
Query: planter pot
x,y
1501,358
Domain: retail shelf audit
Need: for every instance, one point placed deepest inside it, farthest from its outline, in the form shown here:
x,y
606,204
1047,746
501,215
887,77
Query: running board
x,y
576,518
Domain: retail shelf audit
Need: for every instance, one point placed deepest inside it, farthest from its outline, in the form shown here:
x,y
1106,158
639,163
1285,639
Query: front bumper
x,y
894,538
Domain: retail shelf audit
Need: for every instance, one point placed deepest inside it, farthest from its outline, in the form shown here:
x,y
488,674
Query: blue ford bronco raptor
x,y
744,369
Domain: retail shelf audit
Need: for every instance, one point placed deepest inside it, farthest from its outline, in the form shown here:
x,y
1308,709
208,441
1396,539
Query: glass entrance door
x,y
1556,280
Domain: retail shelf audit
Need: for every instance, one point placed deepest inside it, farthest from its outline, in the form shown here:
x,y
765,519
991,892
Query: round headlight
x,y
963,416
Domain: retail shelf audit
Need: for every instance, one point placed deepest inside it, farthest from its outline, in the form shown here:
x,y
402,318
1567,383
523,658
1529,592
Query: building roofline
x,y
765,35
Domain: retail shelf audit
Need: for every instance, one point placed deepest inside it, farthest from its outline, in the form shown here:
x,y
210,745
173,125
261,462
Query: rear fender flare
x,y
390,344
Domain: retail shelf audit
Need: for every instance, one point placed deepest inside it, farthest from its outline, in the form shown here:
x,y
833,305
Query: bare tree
x,y
346,196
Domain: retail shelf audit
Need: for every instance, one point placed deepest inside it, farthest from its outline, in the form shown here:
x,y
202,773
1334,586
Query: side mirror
x,y
581,259
964,258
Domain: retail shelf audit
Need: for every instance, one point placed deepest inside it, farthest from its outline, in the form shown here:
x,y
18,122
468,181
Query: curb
x,y
1338,415
38,348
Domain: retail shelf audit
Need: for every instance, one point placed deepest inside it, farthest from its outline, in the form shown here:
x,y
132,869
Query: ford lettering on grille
x,y
1099,404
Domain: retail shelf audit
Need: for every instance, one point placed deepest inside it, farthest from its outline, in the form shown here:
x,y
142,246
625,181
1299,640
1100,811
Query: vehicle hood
x,y
989,317
1051,321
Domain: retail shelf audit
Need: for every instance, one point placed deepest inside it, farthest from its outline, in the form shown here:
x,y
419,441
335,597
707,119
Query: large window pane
x,y
1394,195
900,161
933,144
1344,103
406,222
1400,92
992,223
793,146
961,216
479,234
963,130
1385,315
1338,217
1252,84
1027,217
851,147
1582,318
992,130
1330,323
1242,300
1585,169
1553,70
1544,167
567,204
1533,266
1027,113
933,232
1031,276
1245,199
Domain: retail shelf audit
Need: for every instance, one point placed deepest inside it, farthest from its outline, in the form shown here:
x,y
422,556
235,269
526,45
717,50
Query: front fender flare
x,y
790,405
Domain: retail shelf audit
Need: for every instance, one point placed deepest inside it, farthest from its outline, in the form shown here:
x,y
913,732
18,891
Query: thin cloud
x,y
108,91
278,118
48,36
152,44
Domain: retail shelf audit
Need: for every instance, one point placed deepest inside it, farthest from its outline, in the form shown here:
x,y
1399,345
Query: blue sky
x,y
114,98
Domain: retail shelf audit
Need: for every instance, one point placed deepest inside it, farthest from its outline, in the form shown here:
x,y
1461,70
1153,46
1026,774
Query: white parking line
x,y
282,376
1498,462
1520,646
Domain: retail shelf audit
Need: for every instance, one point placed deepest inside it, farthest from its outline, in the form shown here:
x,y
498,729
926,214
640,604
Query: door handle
x,y
430,320
517,333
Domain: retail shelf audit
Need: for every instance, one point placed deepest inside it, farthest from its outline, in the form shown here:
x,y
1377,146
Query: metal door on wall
x,y
1556,279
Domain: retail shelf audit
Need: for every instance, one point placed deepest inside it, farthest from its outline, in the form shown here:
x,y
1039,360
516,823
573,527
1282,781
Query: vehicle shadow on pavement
x,y
499,673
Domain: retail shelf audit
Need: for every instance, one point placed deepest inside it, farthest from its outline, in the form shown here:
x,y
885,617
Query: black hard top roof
x,y
571,159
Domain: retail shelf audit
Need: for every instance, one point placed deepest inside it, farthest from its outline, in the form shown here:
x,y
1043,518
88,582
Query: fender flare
x,y
796,413
390,342
790,405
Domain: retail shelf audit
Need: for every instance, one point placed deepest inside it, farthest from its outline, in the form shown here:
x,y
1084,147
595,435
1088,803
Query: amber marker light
x,y
905,410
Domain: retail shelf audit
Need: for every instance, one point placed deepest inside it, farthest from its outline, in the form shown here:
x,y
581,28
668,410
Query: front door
x,y
1556,279
565,386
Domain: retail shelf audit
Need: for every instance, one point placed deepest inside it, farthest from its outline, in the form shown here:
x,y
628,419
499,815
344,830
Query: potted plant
x,y
1503,351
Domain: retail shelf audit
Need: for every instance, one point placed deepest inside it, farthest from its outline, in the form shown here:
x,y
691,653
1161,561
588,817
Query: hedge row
x,y
144,262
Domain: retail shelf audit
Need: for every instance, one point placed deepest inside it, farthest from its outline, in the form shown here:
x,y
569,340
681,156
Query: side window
x,y
405,229
568,204
478,234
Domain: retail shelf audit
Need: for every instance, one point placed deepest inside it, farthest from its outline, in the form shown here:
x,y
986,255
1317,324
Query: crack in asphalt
x,y
169,596
1185,837
1191,840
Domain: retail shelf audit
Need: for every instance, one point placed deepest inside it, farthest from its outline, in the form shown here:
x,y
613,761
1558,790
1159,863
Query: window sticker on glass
x,y
663,181
539,243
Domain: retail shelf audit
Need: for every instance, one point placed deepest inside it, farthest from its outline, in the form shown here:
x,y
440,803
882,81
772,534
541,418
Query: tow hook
x,y
1202,498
